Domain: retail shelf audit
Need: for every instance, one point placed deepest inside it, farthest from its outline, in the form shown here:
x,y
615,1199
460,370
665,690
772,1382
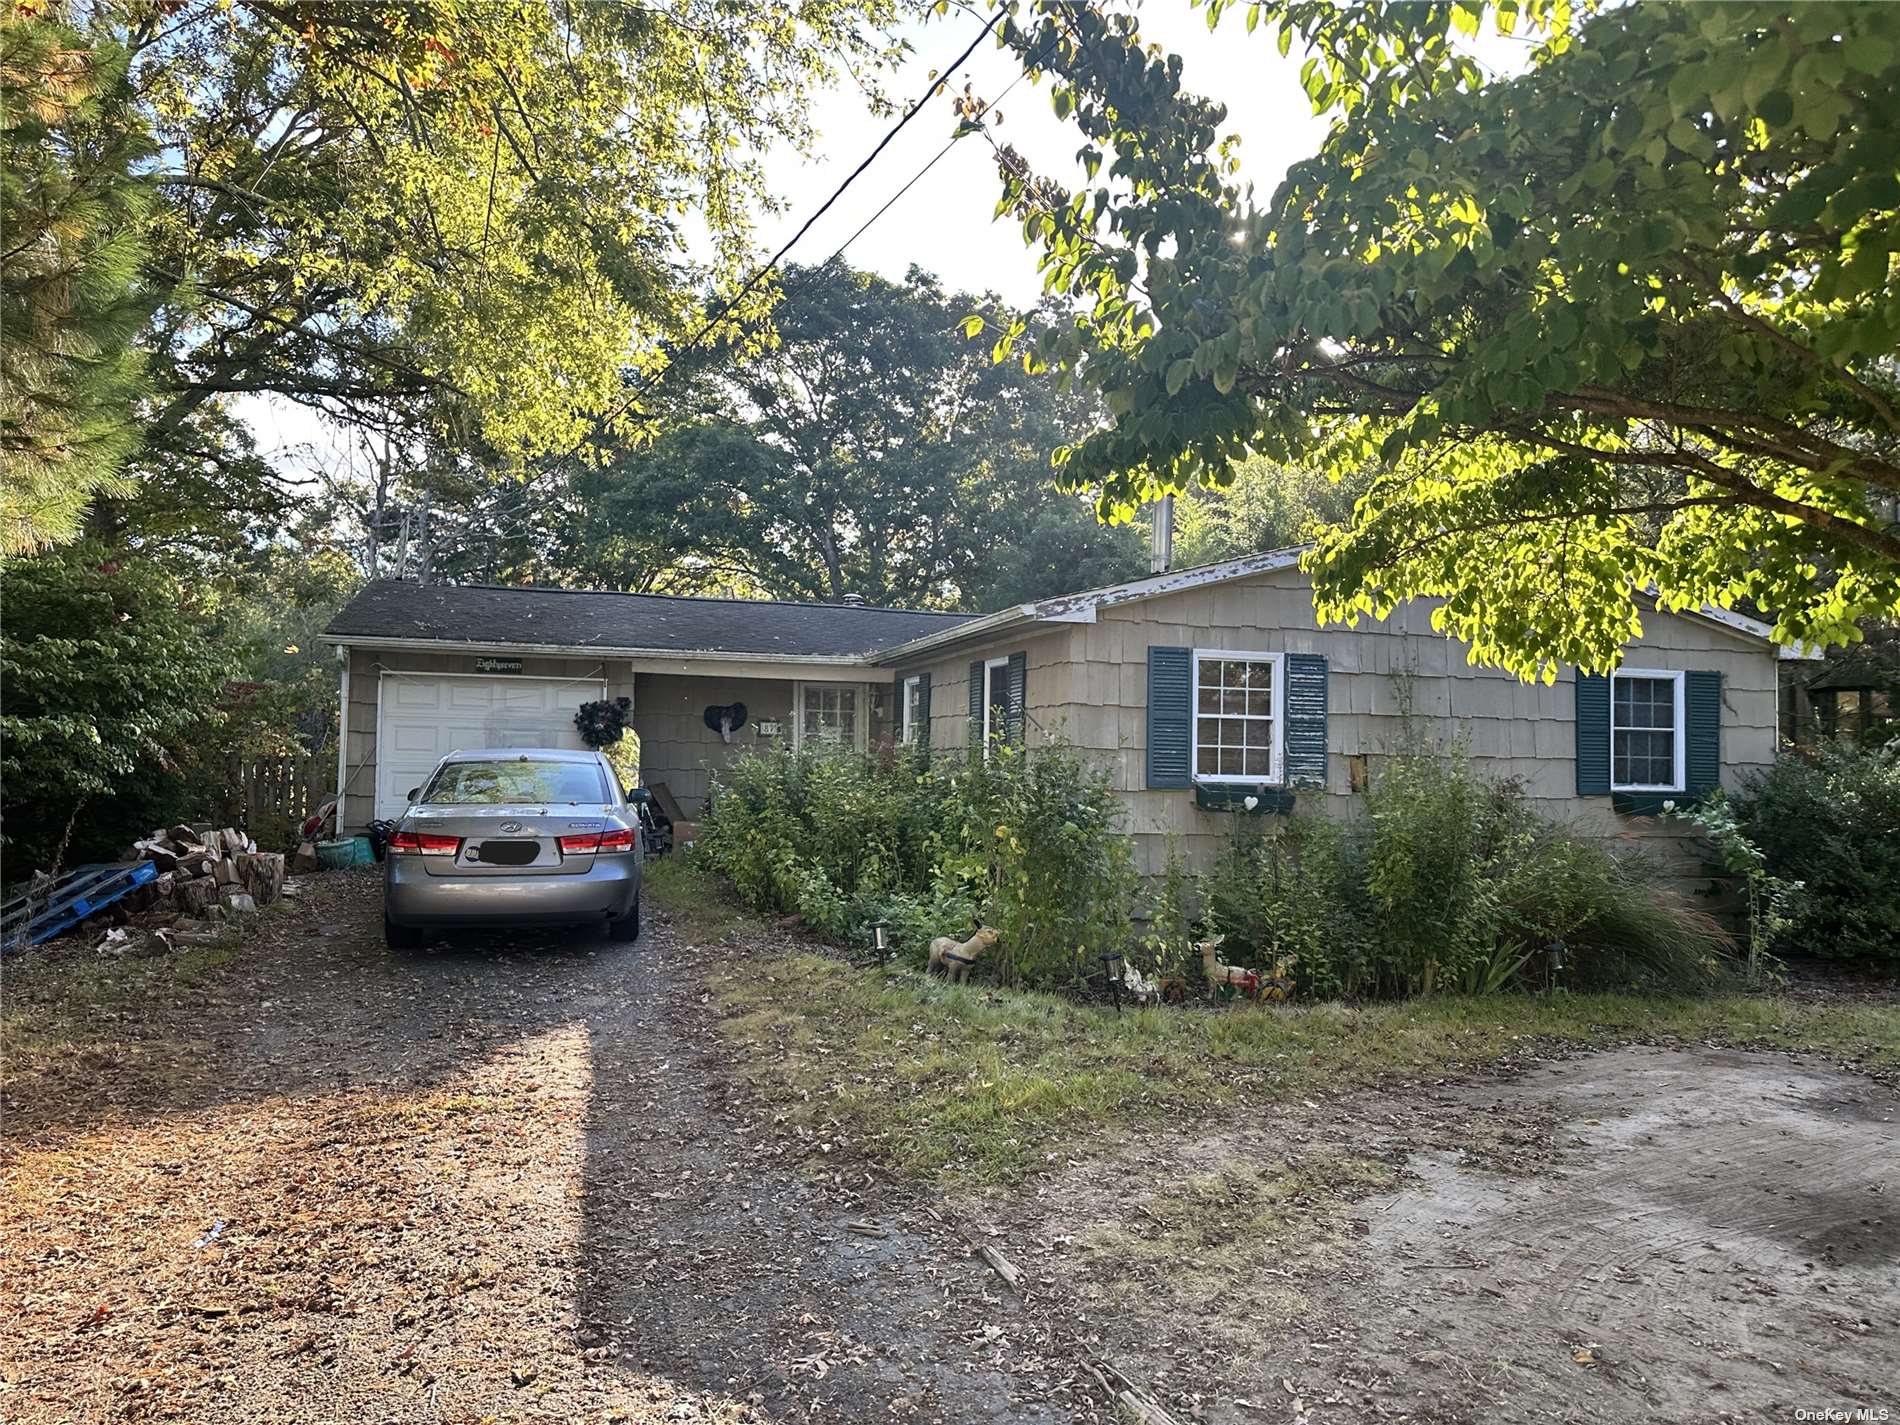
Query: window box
x,y
1232,797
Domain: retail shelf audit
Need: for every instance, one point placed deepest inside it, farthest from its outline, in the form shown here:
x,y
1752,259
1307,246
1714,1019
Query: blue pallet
x,y
81,892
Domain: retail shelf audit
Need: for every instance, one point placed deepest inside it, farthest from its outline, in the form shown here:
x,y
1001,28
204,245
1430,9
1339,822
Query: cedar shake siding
x,y
1090,681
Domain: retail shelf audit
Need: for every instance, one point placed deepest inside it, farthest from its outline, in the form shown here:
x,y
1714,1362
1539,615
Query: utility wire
x,y
516,520
916,177
756,278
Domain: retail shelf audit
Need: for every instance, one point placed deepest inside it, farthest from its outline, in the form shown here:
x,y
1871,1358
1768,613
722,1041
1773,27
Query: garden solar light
x,y
881,939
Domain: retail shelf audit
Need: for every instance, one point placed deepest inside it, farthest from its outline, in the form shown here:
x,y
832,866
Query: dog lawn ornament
x,y
726,720
1226,977
955,957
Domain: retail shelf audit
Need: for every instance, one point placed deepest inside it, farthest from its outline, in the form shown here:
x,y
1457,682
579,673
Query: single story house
x,y
427,669
1200,689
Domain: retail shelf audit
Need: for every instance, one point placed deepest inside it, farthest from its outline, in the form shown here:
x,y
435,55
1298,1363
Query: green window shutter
x,y
923,710
976,706
1702,722
1170,671
1305,720
1016,700
897,711
1593,735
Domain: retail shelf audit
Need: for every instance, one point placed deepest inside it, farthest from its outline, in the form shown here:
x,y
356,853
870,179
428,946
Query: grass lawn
x,y
977,1085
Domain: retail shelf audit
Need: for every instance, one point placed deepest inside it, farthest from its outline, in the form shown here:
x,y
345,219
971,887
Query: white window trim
x,y
990,665
859,731
907,729
1277,758
1681,729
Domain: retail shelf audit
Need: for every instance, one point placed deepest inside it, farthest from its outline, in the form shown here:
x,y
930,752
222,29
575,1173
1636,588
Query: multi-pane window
x,y
1237,699
913,709
828,712
995,701
1646,732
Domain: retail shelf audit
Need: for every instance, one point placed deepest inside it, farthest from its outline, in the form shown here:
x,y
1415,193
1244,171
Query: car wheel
x,y
401,937
626,928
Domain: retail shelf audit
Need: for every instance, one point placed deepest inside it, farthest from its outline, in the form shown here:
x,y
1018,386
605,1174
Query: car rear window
x,y
505,783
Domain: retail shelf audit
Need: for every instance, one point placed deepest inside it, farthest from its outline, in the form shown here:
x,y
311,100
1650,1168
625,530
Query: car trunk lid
x,y
509,840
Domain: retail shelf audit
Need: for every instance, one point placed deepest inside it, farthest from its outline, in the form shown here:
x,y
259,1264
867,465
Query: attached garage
x,y
421,717
432,669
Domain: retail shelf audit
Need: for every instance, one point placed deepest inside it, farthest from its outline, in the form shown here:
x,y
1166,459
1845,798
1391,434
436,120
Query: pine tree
x,y
72,212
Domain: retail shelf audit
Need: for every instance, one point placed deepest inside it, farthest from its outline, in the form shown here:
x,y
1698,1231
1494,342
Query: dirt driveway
x,y
516,1181
493,1181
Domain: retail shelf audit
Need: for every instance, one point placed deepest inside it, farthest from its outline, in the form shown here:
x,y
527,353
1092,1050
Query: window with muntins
x,y
913,708
1238,734
830,713
1646,732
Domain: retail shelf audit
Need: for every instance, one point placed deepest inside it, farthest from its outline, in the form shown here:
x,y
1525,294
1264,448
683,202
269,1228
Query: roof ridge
x,y
684,598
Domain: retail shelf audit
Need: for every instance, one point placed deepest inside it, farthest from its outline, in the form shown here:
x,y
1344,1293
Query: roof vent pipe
x,y
1161,543
852,601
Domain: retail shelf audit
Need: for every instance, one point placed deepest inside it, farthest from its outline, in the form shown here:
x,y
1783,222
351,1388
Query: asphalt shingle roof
x,y
581,618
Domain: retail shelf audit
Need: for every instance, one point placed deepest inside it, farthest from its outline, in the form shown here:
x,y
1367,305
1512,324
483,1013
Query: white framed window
x,y
913,712
1647,736
995,700
830,713
1239,717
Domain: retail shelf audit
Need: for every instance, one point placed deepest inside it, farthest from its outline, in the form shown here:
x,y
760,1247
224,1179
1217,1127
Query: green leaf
x,y
1178,374
1776,109
972,326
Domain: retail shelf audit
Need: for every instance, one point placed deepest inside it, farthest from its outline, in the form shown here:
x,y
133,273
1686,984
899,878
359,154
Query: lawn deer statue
x,y
955,957
1247,982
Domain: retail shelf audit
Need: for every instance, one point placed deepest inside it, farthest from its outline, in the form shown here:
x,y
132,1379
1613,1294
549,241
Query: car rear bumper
x,y
411,896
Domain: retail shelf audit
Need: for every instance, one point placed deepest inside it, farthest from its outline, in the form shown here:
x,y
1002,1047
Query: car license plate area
x,y
508,853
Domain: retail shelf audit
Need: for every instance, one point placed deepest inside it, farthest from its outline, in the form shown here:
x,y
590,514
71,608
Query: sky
x,y
945,222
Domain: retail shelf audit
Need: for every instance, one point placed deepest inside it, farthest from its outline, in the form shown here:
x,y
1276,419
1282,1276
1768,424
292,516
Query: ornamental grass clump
x,y
1451,882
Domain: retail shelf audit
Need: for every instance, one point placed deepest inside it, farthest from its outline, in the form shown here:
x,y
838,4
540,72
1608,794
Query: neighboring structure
x,y
1201,689
1850,695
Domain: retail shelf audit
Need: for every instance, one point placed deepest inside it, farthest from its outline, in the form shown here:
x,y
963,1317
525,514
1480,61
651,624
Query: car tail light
x,y
592,841
425,843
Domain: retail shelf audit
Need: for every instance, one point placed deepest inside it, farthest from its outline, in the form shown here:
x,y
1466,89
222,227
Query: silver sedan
x,y
514,837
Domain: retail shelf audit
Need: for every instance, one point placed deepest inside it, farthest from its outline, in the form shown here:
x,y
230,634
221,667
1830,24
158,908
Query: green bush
x,y
1450,882
111,697
1026,843
1832,823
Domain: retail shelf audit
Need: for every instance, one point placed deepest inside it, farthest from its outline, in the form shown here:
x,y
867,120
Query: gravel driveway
x,y
496,1180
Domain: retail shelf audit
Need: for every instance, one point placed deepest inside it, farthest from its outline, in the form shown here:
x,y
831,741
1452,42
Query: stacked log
x,y
206,870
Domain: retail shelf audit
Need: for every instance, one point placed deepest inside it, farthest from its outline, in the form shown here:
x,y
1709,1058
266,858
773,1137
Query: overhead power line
x,y
751,283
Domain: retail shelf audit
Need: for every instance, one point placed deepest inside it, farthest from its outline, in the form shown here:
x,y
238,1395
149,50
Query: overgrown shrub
x,y
1832,822
1027,843
1449,882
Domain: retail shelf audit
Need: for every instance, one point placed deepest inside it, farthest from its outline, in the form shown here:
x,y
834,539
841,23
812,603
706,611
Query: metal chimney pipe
x,y
1161,544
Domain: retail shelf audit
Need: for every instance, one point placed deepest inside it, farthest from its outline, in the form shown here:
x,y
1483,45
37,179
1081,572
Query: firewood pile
x,y
206,872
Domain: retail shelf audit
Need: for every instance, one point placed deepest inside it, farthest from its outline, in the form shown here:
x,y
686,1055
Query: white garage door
x,y
423,717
